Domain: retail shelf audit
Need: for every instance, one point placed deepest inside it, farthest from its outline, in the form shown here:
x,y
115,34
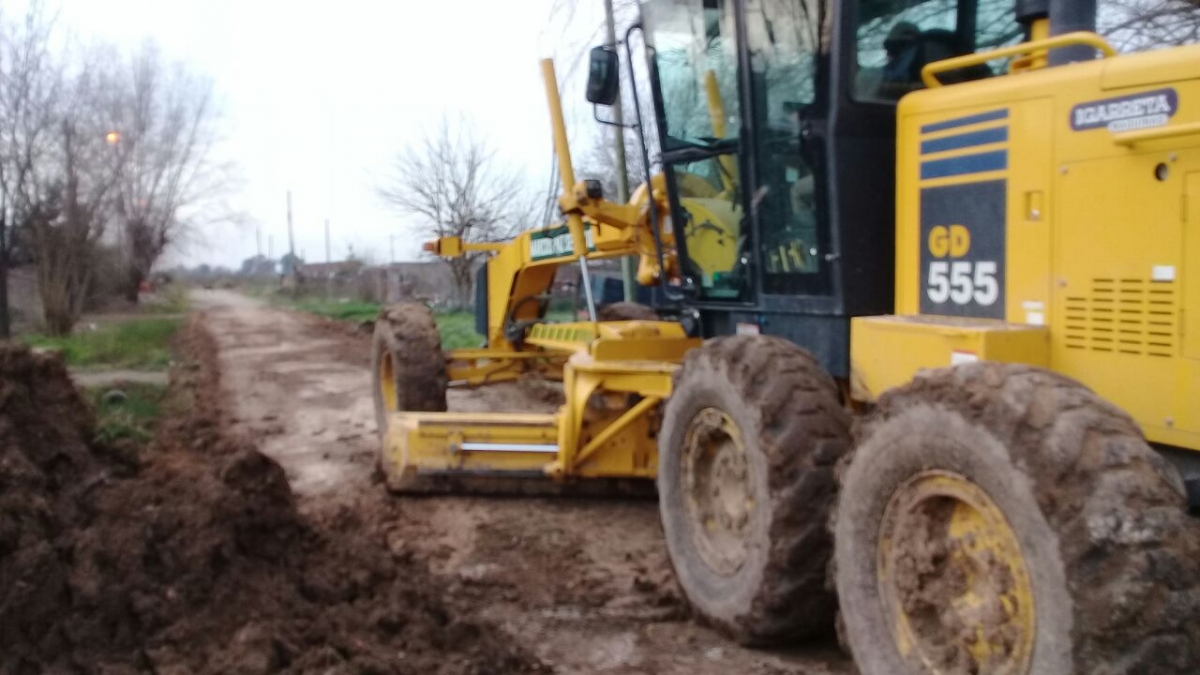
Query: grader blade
x,y
485,453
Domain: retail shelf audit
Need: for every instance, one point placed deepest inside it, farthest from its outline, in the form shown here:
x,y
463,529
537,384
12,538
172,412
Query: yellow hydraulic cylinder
x,y
563,151
716,114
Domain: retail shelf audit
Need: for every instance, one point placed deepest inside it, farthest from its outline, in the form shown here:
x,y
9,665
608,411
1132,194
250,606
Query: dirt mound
x,y
46,469
191,557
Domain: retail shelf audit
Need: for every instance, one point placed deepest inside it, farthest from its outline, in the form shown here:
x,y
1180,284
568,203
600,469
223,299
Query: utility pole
x,y
291,235
392,244
328,259
627,269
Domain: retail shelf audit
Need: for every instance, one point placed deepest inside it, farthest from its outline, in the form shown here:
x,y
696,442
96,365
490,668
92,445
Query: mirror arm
x,y
601,120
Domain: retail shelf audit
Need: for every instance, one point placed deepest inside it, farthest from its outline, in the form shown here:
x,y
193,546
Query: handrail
x,y
1156,134
930,71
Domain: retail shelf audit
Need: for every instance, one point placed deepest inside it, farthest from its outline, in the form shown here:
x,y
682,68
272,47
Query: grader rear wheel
x,y
999,519
747,450
408,371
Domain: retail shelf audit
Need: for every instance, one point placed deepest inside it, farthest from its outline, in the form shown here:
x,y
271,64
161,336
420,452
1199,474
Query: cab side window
x,y
897,38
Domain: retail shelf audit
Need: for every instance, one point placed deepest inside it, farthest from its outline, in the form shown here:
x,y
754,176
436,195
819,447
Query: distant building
x,y
289,263
259,266
328,270
426,281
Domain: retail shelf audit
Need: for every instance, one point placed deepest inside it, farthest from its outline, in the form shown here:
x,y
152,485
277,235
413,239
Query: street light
x,y
112,138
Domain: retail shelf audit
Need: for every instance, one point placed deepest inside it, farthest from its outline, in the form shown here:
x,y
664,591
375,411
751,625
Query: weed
x,y
142,344
131,416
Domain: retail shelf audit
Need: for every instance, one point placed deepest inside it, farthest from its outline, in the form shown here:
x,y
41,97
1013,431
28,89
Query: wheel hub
x,y
717,484
953,580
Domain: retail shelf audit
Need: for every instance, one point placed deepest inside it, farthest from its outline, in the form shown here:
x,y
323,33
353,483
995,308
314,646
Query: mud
x,y
190,556
583,585
930,575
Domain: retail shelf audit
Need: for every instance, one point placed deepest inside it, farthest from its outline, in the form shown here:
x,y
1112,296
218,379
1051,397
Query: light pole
x,y
113,138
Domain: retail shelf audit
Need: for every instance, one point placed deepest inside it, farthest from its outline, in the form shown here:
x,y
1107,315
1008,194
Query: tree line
x,y
106,160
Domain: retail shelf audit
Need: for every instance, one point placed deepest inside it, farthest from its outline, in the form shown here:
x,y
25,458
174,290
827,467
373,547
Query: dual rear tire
x,y
990,519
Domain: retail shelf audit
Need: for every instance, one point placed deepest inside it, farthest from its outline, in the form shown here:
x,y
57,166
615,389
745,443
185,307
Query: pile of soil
x,y
191,557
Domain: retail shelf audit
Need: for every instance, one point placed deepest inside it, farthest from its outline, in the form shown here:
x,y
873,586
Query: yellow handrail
x,y
930,71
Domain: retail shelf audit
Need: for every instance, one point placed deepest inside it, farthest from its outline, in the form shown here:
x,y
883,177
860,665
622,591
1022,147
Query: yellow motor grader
x,y
924,344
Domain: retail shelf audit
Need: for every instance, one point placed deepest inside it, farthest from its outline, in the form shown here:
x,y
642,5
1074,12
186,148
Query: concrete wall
x,y
23,299
421,281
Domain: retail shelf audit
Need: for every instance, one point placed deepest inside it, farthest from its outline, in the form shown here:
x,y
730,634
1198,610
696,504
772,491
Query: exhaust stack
x,y
1068,16
1063,16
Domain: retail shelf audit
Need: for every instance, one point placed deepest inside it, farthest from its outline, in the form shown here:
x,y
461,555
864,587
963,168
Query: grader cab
x,y
969,226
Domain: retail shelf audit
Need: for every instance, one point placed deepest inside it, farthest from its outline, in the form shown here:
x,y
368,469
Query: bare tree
x,y
71,199
28,88
599,162
1133,25
453,184
171,184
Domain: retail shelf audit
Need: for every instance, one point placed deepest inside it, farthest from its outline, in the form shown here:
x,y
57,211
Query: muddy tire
x,y
750,439
626,311
1002,519
408,369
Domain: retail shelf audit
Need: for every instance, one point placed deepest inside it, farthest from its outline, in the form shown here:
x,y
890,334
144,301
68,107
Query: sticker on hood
x,y
1126,113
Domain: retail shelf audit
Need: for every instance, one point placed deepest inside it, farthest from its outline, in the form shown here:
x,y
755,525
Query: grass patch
x,y
458,330
170,299
344,311
140,344
132,417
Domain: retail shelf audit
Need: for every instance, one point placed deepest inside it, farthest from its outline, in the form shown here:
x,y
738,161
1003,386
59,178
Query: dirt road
x,y
585,585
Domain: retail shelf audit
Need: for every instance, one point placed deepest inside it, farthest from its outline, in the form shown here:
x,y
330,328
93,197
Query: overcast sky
x,y
318,96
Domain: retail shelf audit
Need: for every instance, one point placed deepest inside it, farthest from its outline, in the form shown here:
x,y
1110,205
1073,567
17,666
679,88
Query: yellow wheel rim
x,y
387,382
720,500
953,580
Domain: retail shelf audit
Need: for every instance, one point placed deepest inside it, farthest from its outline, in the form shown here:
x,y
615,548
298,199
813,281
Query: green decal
x,y
555,242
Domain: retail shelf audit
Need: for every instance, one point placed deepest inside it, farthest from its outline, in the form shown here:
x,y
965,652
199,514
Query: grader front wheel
x,y
748,444
408,372
1003,520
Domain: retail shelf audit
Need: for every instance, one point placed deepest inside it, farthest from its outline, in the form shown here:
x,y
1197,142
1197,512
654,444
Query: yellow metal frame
x,y
478,367
615,376
1100,241
885,351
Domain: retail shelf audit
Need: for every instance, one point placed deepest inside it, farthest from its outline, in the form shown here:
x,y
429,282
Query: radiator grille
x,y
1124,316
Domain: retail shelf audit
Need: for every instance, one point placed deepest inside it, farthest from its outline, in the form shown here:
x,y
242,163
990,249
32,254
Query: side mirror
x,y
604,84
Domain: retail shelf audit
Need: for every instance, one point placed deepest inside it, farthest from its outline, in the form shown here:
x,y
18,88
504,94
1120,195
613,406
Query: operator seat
x,y
910,49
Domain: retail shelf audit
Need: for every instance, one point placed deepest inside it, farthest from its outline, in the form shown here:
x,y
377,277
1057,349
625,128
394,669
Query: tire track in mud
x,y
584,584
